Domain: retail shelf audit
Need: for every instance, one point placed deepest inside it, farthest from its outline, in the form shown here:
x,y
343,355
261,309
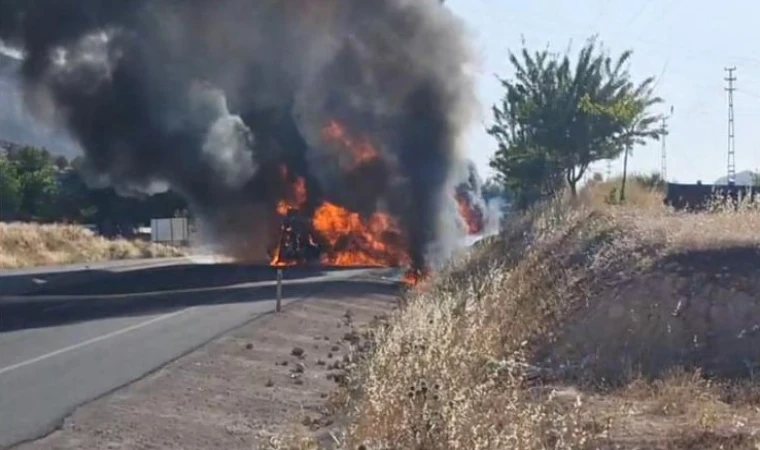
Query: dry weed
x,y
637,194
28,245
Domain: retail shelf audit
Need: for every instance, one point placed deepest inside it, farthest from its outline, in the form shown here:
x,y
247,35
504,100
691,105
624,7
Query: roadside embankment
x,y
582,326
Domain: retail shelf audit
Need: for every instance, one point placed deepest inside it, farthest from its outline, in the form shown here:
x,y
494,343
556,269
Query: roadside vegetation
x,y
44,201
582,326
30,244
37,187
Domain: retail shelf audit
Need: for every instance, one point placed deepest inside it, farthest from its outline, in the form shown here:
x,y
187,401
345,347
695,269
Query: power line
x,y
731,169
664,161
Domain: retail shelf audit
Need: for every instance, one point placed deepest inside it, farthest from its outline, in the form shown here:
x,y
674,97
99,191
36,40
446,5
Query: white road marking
x,y
5,370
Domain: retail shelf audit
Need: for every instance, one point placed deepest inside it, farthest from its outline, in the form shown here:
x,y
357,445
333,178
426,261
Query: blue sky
x,y
684,43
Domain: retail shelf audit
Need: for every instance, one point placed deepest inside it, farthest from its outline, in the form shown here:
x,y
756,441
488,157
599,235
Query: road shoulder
x,y
269,377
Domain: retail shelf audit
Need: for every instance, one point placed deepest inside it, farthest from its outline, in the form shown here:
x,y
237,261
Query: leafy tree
x,y
629,118
34,185
73,198
38,189
37,183
492,188
557,118
30,159
10,190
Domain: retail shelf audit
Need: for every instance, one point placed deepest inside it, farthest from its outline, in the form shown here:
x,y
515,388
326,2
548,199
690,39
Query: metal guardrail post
x,y
278,308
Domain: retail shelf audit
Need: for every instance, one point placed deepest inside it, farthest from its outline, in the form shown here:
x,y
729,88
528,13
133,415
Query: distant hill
x,y
16,124
744,178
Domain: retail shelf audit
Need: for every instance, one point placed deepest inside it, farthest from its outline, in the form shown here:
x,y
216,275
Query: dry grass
x,y
29,245
637,194
584,326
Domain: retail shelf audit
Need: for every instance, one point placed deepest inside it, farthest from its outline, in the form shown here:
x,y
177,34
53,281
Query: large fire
x,y
341,237
335,236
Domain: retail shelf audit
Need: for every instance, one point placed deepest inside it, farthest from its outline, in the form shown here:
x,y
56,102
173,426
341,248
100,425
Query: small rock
x,y
269,383
340,378
335,348
352,337
297,351
329,355
298,381
299,368
248,346
320,362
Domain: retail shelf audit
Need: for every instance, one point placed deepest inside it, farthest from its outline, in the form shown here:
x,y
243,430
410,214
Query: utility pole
x,y
664,156
664,152
609,169
731,169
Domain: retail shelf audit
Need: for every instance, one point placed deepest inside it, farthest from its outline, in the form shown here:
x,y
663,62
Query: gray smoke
x,y
211,97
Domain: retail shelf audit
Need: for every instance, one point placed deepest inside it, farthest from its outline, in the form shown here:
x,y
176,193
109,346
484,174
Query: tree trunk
x,y
625,175
571,182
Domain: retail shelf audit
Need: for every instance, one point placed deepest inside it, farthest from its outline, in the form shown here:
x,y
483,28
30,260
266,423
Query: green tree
x,y
10,190
37,177
492,188
557,118
629,119
31,159
73,203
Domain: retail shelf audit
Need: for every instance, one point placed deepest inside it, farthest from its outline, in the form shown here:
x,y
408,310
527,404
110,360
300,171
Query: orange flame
x,y
361,150
349,239
472,215
413,277
298,193
355,241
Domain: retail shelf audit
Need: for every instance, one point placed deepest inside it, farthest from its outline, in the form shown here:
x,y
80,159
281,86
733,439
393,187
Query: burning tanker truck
x,y
298,130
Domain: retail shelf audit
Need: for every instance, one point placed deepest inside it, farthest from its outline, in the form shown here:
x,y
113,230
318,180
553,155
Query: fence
x,y
697,197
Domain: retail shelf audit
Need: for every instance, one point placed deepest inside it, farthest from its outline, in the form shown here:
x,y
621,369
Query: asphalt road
x,y
70,337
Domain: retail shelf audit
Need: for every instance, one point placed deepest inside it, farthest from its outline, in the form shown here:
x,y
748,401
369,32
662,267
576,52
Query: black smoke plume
x,y
210,98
